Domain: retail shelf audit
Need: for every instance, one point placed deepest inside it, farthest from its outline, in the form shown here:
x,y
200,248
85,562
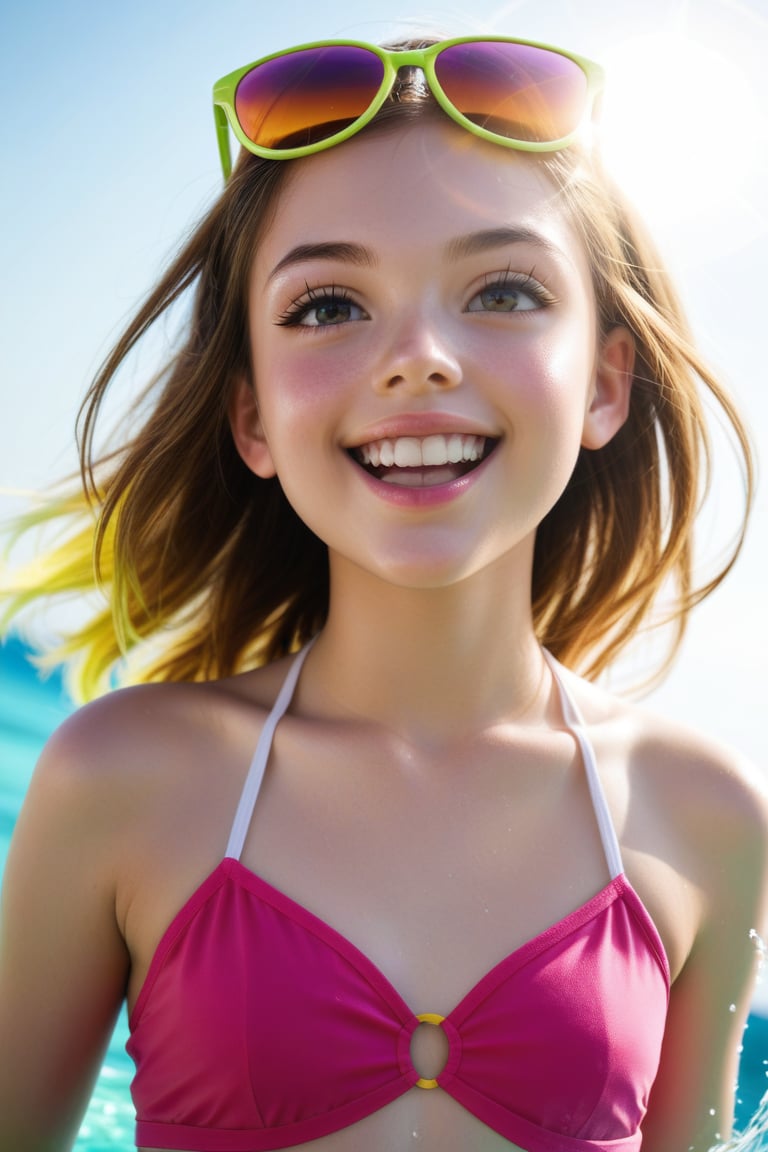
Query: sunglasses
x,y
512,92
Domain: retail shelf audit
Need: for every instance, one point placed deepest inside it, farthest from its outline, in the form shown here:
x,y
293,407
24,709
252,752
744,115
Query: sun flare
x,y
681,128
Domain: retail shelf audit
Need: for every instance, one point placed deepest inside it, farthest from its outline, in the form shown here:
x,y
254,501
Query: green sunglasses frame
x,y
393,60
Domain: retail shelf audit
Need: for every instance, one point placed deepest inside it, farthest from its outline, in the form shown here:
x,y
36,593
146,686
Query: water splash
x,y
754,1138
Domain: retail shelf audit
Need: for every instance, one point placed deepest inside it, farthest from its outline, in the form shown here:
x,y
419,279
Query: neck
x,y
431,664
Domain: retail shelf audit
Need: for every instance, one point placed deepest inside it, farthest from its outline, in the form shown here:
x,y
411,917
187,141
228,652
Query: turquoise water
x,y
29,710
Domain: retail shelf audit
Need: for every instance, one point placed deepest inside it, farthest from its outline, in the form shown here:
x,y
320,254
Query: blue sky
x,y
109,156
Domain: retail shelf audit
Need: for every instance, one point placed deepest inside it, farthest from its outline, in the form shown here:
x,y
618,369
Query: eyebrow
x,y
477,242
458,249
333,250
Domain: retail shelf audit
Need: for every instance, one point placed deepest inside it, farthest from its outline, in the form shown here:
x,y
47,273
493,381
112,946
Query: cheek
x,y
304,393
302,382
550,373
550,381
565,385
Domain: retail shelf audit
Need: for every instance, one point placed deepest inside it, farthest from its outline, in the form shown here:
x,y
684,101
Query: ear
x,y
247,431
609,404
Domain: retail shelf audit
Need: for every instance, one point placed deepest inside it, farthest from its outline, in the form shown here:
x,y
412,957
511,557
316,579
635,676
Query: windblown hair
x,y
206,570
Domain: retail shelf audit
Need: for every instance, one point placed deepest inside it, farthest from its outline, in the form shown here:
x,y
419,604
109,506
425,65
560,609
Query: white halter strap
x,y
575,722
571,715
261,755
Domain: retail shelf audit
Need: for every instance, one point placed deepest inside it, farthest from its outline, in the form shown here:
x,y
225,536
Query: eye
x,y
322,308
511,294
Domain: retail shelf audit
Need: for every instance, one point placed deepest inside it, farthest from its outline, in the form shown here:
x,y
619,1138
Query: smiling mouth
x,y
423,461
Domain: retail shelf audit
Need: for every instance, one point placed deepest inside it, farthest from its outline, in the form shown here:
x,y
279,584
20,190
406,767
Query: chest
x,y
435,870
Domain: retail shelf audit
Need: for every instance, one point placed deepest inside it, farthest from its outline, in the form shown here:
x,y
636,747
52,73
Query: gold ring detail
x,y
428,1018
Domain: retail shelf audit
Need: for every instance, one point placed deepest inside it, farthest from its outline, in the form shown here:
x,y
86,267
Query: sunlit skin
x,y
454,325
470,309
422,797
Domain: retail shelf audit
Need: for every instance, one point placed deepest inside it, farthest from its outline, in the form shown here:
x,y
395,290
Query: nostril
x,y
430,380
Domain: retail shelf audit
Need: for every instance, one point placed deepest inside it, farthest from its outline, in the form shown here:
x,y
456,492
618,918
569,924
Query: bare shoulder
x,y
115,739
689,799
716,797
118,770
690,773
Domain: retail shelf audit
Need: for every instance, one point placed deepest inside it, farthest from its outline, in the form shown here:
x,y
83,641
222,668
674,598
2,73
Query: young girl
x,y
372,866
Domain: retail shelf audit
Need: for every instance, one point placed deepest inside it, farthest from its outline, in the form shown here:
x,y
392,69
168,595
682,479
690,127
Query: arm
x,y
63,963
691,1105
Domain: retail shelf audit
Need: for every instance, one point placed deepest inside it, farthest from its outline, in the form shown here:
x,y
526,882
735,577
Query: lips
x,y
423,461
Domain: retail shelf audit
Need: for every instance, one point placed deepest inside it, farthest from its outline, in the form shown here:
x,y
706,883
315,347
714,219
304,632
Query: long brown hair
x,y
207,570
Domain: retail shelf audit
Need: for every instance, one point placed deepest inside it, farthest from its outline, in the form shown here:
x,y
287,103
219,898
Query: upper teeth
x,y
422,451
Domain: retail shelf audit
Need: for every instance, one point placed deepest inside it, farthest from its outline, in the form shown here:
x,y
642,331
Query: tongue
x,y
421,477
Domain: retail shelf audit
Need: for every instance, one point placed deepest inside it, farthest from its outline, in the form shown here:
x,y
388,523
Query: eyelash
x,y
523,282
298,309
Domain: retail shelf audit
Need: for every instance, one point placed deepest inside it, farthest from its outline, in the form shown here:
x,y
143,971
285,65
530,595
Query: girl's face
x,y
425,353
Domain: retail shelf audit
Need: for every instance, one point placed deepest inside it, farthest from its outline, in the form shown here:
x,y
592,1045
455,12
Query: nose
x,y
419,358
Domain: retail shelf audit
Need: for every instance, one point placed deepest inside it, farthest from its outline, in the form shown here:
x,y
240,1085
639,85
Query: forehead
x,y
405,189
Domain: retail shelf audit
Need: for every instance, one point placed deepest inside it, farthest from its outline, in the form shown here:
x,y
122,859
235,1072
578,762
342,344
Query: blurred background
x,y
109,157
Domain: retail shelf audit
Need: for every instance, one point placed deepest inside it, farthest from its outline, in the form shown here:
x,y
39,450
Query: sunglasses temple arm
x,y
222,138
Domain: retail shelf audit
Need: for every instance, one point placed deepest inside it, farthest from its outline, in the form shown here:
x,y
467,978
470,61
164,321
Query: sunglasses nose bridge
x,y
409,72
413,57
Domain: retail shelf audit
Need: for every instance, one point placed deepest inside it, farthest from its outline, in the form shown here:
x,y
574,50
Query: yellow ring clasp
x,y
428,1018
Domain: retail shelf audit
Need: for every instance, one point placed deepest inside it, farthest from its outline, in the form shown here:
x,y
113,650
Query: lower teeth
x,y
421,477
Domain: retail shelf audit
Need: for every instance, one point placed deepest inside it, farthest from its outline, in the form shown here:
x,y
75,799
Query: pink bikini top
x,y
261,1027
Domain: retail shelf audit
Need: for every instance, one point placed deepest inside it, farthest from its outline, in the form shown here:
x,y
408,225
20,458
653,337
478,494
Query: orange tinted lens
x,y
307,96
515,90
